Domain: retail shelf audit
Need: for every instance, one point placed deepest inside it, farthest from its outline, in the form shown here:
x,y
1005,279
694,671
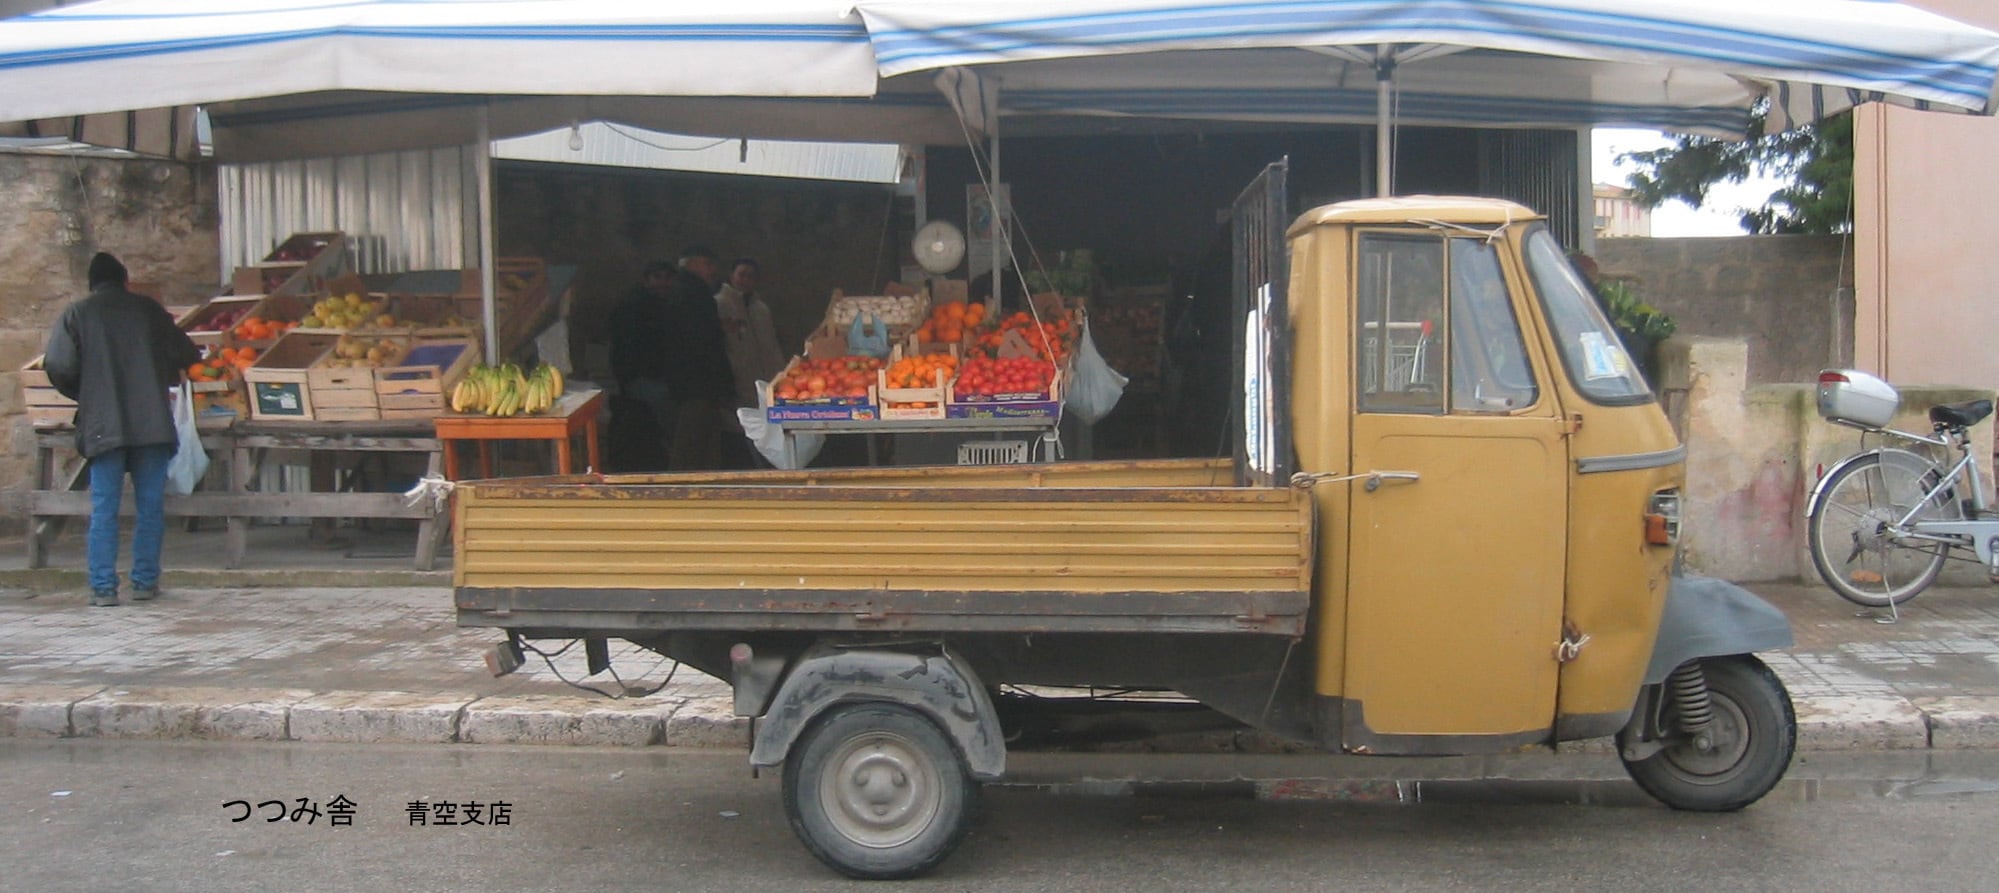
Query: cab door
x,y
1456,547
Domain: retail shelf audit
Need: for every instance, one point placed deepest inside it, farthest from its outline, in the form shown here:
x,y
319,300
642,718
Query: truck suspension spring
x,y
1690,699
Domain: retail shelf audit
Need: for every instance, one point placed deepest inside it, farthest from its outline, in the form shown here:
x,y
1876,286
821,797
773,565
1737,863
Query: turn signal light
x,y
1662,518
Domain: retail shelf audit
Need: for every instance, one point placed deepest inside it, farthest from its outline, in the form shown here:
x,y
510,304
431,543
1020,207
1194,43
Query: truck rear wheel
x,y
1748,744
876,791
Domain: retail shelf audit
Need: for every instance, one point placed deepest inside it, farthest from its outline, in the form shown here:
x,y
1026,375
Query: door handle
x,y
1374,478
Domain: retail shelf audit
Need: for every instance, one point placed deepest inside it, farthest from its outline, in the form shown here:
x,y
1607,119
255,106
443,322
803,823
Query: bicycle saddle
x,y
1961,415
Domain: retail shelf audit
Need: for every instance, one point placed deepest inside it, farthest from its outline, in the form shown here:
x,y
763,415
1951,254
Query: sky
x,y
1719,217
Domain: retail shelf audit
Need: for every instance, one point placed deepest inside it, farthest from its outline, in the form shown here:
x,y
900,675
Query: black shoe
x,y
145,595
104,599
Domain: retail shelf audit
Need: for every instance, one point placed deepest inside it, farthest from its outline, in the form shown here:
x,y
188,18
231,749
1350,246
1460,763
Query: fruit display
x,y
846,377
1050,339
257,329
348,311
920,371
949,322
983,378
222,364
895,310
222,319
505,390
353,352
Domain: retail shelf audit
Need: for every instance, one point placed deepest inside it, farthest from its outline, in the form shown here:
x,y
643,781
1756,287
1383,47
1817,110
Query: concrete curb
x,y
670,720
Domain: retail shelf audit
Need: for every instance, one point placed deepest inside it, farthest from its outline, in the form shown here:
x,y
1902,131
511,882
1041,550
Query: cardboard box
x,y
817,409
1046,405
279,381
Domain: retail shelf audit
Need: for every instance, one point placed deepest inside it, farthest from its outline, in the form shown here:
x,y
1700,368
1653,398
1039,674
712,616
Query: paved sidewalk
x,y
343,642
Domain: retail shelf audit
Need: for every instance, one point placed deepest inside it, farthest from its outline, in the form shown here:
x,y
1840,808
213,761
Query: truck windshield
x,y
1590,349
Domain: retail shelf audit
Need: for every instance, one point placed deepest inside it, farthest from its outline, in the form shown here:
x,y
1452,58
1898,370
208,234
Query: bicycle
x,y
1882,521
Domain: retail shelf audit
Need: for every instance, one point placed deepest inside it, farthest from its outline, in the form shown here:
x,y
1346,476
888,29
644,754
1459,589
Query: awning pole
x,y
1384,124
995,229
482,169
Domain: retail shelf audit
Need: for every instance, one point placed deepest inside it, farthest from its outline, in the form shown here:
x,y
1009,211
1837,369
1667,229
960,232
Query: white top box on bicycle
x,y
1852,397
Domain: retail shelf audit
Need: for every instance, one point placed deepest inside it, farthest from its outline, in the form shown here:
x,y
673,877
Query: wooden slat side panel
x,y
1158,540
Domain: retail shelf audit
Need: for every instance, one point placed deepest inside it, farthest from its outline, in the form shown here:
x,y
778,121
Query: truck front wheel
x,y
876,791
1742,755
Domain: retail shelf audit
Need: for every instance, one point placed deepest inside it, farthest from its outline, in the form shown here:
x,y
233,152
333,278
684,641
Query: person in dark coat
x,y
698,373
116,354
642,411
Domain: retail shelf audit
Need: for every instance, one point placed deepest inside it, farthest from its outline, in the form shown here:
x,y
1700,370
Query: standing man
x,y
644,408
116,354
751,342
697,365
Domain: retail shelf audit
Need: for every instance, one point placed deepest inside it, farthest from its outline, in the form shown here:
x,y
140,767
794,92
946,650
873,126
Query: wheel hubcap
x,y
1726,743
880,792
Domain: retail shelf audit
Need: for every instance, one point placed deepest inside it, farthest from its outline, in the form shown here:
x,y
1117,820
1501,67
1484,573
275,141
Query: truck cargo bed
x,y
1075,547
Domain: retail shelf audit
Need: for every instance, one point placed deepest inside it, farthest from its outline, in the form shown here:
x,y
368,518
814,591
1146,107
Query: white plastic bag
x,y
770,441
1096,387
190,461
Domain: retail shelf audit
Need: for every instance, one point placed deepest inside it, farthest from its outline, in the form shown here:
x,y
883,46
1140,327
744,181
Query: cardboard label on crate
x,y
1040,410
944,291
786,412
282,399
826,343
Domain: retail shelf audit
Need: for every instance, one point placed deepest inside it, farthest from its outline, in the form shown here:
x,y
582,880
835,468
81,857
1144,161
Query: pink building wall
x,y
1926,237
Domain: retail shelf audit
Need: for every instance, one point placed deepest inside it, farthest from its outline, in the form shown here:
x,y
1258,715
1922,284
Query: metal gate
x,y
1260,319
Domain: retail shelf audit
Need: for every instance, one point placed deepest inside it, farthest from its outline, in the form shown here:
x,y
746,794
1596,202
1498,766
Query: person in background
x,y
644,409
750,340
698,373
116,354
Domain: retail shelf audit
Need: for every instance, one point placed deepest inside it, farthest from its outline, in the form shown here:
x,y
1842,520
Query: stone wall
x,y
1789,298
55,212
1754,451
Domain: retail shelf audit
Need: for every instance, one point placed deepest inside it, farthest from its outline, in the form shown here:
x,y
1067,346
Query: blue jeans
x,y
148,467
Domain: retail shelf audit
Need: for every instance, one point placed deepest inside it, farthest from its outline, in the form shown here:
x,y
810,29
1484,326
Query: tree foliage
x,y
1815,163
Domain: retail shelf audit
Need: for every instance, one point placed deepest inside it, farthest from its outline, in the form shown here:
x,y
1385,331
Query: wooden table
x,y
241,446
576,413
1043,429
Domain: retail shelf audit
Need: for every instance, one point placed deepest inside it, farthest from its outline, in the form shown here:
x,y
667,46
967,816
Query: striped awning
x,y
1687,65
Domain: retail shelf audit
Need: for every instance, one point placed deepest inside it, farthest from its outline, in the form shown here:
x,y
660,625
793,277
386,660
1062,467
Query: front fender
x,y
937,685
1706,617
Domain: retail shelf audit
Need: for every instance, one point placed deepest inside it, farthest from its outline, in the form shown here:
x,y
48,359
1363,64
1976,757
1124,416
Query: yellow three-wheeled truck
x,y
1448,528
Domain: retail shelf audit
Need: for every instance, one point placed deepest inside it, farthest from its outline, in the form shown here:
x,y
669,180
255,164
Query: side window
x,y
1399,345
1489,367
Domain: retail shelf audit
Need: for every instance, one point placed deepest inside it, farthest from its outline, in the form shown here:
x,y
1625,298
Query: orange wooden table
x,y
574,414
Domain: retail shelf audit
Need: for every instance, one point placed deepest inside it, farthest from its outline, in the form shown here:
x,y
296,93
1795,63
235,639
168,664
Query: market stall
x,y
899,363
306,366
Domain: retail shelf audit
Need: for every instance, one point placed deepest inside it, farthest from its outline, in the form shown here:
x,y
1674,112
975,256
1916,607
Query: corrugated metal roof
x,y
620,145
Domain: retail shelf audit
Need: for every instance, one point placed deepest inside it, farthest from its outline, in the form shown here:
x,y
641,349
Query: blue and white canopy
x,y
1685,65
304,77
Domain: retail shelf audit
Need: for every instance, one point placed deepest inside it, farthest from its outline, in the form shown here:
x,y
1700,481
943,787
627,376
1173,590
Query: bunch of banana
x,y
504,390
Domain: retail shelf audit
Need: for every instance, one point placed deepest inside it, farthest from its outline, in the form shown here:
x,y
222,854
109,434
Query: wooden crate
x,y
300,264
213,322
420,385
279,381
46,407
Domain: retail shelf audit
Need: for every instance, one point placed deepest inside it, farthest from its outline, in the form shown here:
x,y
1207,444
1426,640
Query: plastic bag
x,y
769,439
1095,387
868,336
190,461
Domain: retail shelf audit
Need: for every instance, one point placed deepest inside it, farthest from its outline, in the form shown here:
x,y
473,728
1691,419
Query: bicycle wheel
x,y
1849,533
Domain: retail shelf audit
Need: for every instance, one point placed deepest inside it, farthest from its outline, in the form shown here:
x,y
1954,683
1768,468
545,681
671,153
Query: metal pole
x,y
1384,124
997,231
482,169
